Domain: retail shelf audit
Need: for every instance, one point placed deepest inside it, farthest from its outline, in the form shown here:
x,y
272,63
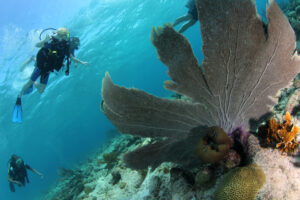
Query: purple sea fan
x,y
244,64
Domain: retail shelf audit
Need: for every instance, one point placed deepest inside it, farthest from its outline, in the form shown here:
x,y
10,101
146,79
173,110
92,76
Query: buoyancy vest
x,y
53,54
17,172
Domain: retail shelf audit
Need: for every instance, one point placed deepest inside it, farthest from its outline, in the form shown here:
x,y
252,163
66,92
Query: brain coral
x,y
241,183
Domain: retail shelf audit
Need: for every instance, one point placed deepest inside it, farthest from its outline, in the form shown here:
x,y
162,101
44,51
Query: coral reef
x,y
282,177
240,138
282,135
242,62
167,181
293,104
116,177
232,159
292,12
74,179
177,151
110,159
205,178
213,146
241,183
288,100
170,181
239,149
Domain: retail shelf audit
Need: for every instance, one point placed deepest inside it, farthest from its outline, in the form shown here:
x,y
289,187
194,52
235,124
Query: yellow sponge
x,y
241,183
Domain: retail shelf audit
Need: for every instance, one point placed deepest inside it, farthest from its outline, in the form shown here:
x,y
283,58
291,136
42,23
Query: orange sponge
x,y
283,135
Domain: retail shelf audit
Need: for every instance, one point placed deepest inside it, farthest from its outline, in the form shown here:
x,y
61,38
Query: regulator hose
x,y
46,30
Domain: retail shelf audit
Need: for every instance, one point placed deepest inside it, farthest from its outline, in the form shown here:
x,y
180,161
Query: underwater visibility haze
x,y
64,126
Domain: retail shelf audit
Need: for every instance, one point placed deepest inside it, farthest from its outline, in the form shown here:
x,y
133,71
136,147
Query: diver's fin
x,y
28,90
17,114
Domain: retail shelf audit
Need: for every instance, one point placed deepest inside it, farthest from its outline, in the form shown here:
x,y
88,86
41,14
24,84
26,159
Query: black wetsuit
x,y
51,57
191,5
17,173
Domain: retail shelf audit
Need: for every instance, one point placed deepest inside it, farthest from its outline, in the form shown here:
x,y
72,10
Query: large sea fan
x,y
245,63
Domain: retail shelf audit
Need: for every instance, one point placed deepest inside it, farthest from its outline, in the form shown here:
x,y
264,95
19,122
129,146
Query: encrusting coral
x,y
283,135
243,59
241,183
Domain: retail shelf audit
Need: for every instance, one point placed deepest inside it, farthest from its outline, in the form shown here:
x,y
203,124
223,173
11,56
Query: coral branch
x,y
178,151
136,112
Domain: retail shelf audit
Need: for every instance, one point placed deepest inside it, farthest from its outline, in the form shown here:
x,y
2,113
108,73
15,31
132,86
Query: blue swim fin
x,y
17,114
28,90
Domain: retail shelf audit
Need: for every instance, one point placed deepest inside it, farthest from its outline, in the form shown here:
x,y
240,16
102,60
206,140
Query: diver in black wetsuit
x,y
191,17
54,50
74,44
17,172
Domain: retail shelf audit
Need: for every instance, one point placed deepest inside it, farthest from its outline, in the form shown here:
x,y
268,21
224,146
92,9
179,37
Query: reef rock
x,y
282,177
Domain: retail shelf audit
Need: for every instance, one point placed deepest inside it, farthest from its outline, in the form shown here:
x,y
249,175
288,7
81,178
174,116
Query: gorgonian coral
x,y
245,63
282,135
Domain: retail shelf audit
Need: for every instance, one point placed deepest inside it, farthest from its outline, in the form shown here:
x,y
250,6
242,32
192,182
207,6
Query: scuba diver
x,y
54,51
191,17
17,172
74,44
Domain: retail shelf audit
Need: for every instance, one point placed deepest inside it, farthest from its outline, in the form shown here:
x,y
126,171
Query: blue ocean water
x,y
63,125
